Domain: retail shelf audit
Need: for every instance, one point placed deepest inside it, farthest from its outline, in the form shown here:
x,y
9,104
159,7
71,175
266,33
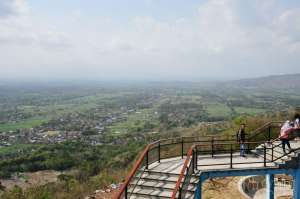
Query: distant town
x,y
89,131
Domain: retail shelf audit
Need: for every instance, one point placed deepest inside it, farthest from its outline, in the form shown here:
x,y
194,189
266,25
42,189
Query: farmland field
x,y
97,130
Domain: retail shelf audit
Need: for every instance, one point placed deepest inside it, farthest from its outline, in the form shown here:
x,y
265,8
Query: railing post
x,y
272,152
193,161
158,151
181,147
265,154
180,190
147,161
270,186
247,148
196,163
212,147
126,192
296,184
231,151
269,136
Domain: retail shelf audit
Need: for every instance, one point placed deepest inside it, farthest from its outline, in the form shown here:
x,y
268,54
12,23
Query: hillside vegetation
x,y
96,132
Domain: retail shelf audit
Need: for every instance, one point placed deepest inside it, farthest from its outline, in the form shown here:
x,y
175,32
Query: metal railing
x,y
147,157
230,151
155,152
186,174
294,134
192,147
268,133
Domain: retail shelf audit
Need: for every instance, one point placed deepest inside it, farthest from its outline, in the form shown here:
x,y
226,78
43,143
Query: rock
x,y
113,186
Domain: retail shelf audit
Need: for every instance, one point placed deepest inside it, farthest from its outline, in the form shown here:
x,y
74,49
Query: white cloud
x,y
219,39
19,28
12,7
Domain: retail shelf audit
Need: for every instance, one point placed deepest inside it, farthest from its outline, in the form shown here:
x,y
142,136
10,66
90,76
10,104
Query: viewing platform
x,y
177,168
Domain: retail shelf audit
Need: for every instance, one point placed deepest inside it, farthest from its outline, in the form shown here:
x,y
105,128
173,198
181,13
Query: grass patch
x,y
135,122
218,110
22,124
250,111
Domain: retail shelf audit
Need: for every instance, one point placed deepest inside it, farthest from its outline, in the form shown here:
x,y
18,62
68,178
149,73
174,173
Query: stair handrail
x,y
182,172
278,145
138,163
136,166
260,129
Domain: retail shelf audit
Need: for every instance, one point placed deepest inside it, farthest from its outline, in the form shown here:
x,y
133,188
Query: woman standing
x,y
284,135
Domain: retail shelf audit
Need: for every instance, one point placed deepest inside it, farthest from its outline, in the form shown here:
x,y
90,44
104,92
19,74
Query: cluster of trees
x,y
89,160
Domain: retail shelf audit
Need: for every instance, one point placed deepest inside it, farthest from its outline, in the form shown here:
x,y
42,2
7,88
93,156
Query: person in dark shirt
x,y
241,138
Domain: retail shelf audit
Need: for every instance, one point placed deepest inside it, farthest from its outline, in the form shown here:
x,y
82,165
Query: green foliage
x,y
218,110
89,132
89,160
15,193
25,124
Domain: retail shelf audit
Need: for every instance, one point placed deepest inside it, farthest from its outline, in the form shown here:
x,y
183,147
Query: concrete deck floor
x,y
174,165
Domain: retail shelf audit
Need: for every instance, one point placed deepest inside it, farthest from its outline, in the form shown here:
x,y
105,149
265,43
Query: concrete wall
x,y
249,185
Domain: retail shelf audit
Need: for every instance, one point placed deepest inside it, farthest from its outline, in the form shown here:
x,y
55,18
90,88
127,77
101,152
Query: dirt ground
x,y
26,180
109,195
225,188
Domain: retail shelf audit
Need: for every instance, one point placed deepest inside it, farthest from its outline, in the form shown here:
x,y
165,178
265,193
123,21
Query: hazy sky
x,y
148,39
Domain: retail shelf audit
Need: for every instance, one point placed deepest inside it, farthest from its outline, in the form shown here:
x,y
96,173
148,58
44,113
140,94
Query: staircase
x,y
153,184
274,153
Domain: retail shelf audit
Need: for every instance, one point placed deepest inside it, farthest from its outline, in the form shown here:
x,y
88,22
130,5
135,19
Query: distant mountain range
x,y
269,82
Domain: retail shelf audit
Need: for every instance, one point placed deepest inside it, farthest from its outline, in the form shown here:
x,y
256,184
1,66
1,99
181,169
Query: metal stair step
x,y
163,177
149,193
160,185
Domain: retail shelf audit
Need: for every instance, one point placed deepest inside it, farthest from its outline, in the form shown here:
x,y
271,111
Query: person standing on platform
x,y
297,125
241,138
284,135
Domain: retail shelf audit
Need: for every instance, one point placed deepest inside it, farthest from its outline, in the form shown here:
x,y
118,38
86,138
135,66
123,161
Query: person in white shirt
x,y
297,120
284,135
297,125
